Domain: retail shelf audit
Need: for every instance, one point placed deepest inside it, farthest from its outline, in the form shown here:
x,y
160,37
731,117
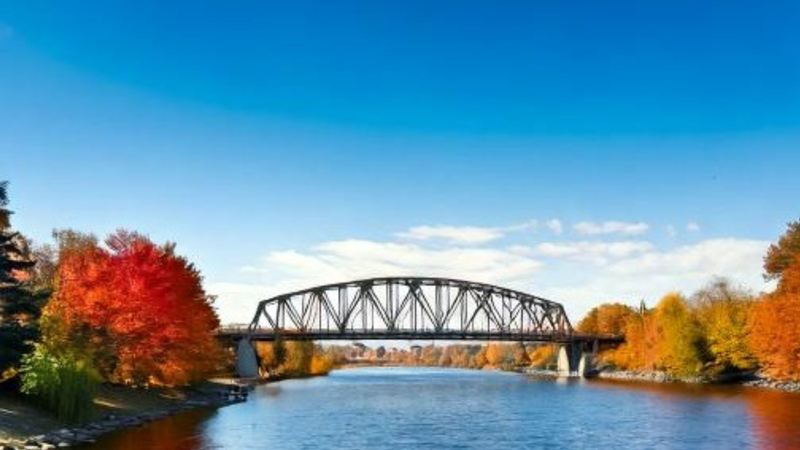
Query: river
x,y
423,408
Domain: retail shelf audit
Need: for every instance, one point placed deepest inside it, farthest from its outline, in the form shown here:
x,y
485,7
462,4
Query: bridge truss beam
x,y
411,308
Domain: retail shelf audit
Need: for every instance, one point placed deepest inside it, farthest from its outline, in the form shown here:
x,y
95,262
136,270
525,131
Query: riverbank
x,y
26,426
744,379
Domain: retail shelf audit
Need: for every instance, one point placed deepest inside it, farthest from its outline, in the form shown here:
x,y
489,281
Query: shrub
x,y
63,385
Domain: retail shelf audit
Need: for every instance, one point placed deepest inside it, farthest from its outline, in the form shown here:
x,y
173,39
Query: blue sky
x,y
281,144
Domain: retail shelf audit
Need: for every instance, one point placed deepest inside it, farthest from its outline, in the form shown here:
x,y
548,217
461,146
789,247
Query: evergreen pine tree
x,y
18,310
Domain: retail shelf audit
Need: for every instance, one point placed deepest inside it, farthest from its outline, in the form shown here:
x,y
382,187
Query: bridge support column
x,y
246,361
573,361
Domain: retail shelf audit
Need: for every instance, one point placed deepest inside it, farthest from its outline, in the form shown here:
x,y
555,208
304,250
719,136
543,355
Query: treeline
x,y
720,329
82,311
466,356
281,359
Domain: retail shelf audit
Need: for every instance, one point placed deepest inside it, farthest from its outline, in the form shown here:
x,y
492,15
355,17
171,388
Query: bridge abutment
x,y
246,361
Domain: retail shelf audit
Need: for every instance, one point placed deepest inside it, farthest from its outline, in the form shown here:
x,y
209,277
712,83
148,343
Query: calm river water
x,y
420,408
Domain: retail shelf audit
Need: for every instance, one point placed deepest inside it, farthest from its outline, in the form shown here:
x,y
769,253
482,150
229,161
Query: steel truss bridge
x,y
411,308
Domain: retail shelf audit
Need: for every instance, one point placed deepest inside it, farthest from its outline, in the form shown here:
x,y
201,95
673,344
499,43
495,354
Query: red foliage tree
x,y
139,308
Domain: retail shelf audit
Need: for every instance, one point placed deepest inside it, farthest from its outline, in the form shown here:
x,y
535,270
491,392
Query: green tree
x,y
19,310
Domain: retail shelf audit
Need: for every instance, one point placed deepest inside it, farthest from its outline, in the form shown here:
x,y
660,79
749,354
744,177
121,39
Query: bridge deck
x,y
270,335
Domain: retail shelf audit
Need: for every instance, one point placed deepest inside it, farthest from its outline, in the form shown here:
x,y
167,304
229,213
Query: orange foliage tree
x,y
608,318
637,327
139,308
775,326
640,350
668,337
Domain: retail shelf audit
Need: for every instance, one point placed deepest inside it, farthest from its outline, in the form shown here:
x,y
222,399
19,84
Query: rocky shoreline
x,y
646,376
88,433
747,379
786,386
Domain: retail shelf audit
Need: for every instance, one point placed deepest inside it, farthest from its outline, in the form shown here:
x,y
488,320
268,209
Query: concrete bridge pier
x,y
575,361
246,361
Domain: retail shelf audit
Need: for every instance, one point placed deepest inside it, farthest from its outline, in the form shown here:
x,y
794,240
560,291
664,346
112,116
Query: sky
x,y
581,151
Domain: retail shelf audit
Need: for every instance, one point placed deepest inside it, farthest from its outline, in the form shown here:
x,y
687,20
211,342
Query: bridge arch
x,y
411,308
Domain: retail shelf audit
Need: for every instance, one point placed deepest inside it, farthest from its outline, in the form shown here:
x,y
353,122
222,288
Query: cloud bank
x,y
580,273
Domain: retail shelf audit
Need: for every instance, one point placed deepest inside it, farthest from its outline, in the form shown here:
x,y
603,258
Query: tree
x,y
521,357
5,214
544,356
680,347
775,319
18,309
139,308
783,253
271,355
279,351
722,312
775,326
430,355
498,355
480,358
446,358
299,355
608,318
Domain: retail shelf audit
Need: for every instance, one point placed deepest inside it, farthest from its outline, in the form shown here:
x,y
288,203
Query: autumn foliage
x,y
704,335
137,308
775,326
293,358
609,318
720,329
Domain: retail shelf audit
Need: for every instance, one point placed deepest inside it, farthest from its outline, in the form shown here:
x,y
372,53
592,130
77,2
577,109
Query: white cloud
x,y
692,227
610,227
467,235
555,226
671,231
463,234
597,252
579,274
354,258
330,262
711,257
649,275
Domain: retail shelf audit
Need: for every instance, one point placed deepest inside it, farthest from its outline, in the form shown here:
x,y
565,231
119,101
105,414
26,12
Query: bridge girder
x,y
411,308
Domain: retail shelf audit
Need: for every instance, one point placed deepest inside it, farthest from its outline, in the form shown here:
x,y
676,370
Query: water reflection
x,y
451,409
776,418
184,431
